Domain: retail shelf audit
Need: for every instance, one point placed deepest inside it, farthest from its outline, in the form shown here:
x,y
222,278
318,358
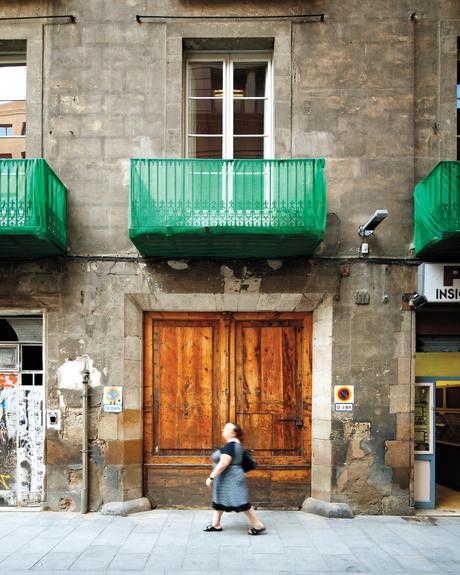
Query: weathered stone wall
x,y
369,89
96,307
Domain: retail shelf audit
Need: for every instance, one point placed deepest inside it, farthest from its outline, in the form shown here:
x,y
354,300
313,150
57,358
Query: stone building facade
x,y
370,90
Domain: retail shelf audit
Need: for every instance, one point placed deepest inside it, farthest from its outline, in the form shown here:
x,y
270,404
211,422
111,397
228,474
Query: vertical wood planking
x,y
271,380
305,370
185,387
292,390
222,384
148,388
250,392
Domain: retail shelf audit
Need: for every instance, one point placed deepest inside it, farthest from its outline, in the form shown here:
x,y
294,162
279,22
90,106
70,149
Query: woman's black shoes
x,y
255,531
211,527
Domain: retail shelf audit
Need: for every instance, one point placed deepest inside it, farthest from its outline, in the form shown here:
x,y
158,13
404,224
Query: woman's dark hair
x,y
238,430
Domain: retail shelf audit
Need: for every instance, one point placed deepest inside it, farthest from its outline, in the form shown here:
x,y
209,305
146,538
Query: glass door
x,y
229,117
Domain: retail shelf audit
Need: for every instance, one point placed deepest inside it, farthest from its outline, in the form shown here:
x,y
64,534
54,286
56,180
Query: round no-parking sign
x,y
344,397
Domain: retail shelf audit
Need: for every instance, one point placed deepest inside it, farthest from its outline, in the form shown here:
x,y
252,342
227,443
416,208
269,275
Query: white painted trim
x,y
42,314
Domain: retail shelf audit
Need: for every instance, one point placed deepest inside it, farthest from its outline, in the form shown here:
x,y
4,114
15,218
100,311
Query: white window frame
x,y
228,59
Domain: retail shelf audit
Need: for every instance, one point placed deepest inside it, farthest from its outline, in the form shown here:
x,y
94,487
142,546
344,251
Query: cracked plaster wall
x,y
367,346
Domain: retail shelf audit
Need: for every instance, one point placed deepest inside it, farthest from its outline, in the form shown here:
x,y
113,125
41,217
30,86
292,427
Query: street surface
x,y
165,542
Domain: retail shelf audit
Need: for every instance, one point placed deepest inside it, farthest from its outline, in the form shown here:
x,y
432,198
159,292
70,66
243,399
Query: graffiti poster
x,y
21,442
8,440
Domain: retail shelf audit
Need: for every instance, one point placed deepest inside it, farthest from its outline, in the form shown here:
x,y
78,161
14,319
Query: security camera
x,y
368,228
417,301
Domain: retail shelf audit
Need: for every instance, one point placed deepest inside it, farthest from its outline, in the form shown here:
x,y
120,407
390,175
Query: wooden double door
x,y
205,369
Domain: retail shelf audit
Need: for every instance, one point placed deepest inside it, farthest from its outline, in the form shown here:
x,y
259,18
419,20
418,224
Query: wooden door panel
x,y
184,397
269,385
183,386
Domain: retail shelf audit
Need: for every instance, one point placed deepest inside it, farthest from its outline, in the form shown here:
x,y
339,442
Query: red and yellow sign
x,y
344,393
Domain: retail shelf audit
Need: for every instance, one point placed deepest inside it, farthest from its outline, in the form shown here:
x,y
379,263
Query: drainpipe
x,y
84,450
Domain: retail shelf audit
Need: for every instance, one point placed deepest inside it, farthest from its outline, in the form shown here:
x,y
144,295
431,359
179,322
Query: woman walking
x,y
230,491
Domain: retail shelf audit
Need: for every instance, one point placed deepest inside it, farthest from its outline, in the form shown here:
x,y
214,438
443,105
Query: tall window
x,y
229,106
12,98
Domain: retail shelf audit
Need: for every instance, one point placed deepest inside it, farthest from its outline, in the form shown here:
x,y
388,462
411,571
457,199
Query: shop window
x,y
453,397
229,106
13,72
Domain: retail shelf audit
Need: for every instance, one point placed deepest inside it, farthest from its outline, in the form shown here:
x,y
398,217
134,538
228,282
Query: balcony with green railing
x,y
437,214
32,210
227,208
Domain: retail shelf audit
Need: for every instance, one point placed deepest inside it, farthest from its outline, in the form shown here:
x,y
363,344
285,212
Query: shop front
x,y
437,389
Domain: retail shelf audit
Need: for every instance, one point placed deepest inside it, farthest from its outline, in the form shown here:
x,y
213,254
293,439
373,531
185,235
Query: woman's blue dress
x,y
230,490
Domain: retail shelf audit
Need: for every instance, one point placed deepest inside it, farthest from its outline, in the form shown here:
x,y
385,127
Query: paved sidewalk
x,y
169,542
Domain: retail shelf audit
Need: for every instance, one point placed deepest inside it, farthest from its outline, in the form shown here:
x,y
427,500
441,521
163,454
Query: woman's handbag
x,y
248,463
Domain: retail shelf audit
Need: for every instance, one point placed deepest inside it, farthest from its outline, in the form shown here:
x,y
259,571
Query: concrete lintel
x,y
202,302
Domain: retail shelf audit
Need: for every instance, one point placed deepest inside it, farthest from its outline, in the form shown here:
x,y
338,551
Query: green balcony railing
x,y
32,209
227,208
437,214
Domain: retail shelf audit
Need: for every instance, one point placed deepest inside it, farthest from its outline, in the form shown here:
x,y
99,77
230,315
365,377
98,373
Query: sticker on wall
x,y
8,380
344,397
113,399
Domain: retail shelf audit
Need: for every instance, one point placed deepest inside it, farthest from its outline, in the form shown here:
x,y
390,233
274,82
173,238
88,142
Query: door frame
x,y
42,470
290,469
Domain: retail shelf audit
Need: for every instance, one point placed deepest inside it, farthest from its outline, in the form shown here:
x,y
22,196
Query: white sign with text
x,y
439,282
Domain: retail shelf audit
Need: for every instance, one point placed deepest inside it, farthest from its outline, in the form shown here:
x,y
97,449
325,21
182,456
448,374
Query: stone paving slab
x,y
169,542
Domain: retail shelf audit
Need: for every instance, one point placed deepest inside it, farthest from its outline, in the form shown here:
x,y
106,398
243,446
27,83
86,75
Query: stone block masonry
x,y
369,90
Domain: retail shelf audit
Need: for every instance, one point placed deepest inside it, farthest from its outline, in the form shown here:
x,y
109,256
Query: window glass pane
x,y
205,117
251,147
27,379
12,82
202,147
248,116
249,79
8,358
6,130
38,379
7,332
12,128
32,357
205,79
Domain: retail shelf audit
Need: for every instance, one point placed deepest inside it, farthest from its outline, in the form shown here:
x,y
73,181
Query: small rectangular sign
x,y
112,408
344,407
113,399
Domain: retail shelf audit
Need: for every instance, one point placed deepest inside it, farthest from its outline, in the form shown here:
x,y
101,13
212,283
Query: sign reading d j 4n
x,y
113,399
344,397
